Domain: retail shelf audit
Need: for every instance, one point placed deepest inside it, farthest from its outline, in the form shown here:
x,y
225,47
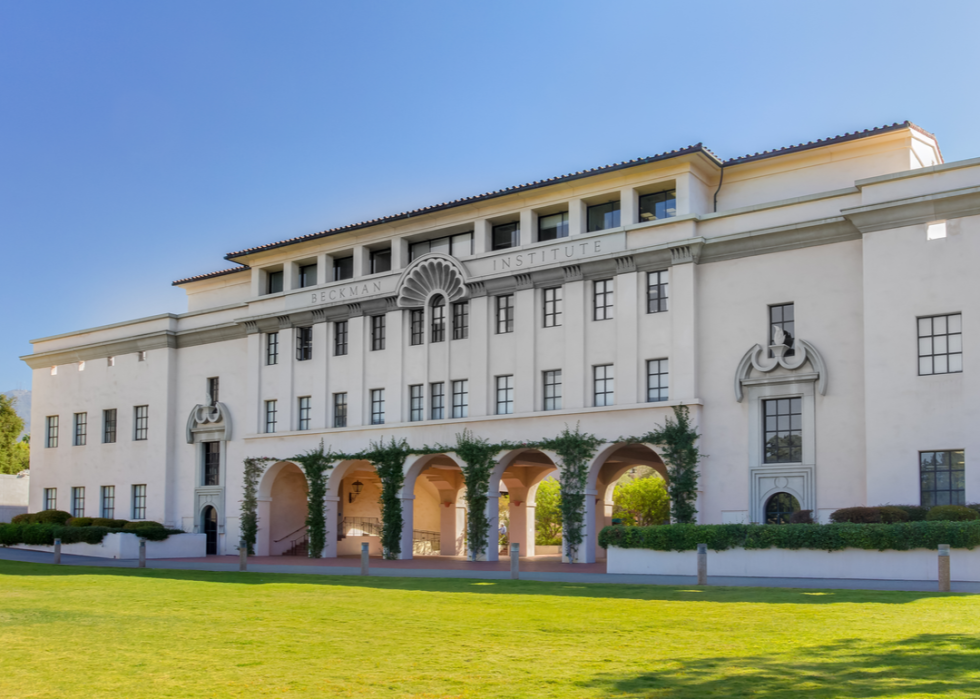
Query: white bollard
x,y
364,559
944,567
515,561
142,563
57,552
702,564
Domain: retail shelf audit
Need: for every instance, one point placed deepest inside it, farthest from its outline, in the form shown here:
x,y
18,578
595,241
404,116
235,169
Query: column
x,y
331,508
257,277
399,254
525,371
262,538
481,236
362,259
408,527
493,528
586,550
324,268
290,276
627,338
481,318
576,217
284,388
575,315
320,391
253,381
683,326
517,531
356,338
529,224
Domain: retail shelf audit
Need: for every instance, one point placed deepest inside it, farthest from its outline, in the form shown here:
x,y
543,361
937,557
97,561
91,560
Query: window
x,y
657,291
780,507
340,410
941,345
603,385
461,320
505,314
109,426
141,422
456,245
380,261
51,431
461,399
505,395
307,275
658,205
54,371
108,507
942,478
438,319
212,462
783,430
272,348
553,227
110,361
304,413
270,416
78,502
602,299
274,283
416,403
417,318
377,406
438,400
506,236
340,338
657,380
603,216
213,389
141,356
50,498
552,307
781,317
81,366
343,268
936,231
139,502
377,332
552,390
81,429
304,344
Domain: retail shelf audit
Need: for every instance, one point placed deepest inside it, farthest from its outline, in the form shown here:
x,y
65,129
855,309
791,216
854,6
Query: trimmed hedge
x,y
825,537
45,534
952,513
43,517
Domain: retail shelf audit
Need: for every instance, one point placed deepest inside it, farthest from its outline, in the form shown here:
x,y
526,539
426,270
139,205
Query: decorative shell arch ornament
x,y
803,352
214,419
430,274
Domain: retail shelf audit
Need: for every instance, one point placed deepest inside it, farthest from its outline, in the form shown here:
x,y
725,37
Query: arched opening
x,y
282,506
353,509
437,516
780,507
513,490
438,318
209,525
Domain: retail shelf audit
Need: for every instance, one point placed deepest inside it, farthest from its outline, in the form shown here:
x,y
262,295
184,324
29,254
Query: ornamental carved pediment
x,y
428,275
214,419
804,360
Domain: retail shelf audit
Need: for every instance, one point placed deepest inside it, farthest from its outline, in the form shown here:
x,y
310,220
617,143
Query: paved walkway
x,y
544,569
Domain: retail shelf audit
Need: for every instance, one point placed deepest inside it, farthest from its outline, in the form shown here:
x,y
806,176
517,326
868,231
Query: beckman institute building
x,y
816,307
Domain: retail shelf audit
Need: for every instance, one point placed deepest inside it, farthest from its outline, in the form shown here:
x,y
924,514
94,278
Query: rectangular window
x,y
213,389
272,348
416,403
340,410
377,333
50,498
506,236
602,299
782,317
783,430
78,502
657,380
109,426
274,285
107,508
505,395
139,502
271,412
307,275
380,261
658,205
943,478
81,429
377,406
438,319
51,431
212,462
304,413
343,268
304,344
417,318
141,356
552,307
657,291
505,314
438,401
603,385
552,390
461,320
458,245
141,422
461,398
941,344
603,216
553,227
340,338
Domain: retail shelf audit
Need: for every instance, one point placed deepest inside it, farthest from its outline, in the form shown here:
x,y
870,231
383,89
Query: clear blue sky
x,y
140,142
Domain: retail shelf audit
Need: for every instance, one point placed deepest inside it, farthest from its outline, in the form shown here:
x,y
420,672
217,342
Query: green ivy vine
x,y
316,464
254,468
389,461
479,458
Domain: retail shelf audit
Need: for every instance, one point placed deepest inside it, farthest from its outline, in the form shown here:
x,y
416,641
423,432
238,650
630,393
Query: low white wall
x,y
127,546
857,564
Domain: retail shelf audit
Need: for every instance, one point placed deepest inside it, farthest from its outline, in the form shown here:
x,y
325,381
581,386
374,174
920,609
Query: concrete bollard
x,y
57,552
365,564
242,555
515,561
142,563
702,564
944,567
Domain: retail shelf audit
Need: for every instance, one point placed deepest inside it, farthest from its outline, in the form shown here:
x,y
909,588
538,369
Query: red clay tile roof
x,y
211,275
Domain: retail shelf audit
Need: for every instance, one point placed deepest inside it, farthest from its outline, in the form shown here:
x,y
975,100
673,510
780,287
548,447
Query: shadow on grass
x,y
924,665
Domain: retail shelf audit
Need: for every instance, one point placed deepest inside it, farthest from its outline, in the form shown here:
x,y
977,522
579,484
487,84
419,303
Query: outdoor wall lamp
x,y
355,488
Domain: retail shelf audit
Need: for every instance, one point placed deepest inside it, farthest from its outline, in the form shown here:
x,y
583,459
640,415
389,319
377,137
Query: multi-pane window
x,y
416,406
304,343
505,395
505,314
340,410
304,412
438,401
552,307
272,348
78,502
109,426
943,478
940,344
461,320
340,338
552,390
271,413
307,275
50,498
603,216
377,332
658,205
417,318
213,389
657,380
506,236
51,431
553,227
603,385
274,283
438,319
782,317
212,462
81,429
783,430
461,398
107,508
343,268
602,299
139,502
141,422
458,245
377,406
657,291
380,261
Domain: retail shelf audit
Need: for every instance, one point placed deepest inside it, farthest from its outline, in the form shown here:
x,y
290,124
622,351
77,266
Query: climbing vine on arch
x,y
316,464
254,468
575,449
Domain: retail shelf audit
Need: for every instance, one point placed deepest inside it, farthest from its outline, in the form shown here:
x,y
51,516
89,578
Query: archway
x,y
780,507
209,525
518,473
352,509
282,507
433,507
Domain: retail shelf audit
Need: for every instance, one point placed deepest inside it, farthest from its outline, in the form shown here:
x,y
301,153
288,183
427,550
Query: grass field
x,y
87,632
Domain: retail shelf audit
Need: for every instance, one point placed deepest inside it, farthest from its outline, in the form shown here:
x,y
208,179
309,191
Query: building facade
x,y
812,306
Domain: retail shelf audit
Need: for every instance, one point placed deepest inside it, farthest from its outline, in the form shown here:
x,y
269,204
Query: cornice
x,y
913,211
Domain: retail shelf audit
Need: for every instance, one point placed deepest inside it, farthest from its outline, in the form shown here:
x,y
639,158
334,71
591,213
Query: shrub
x,y
856,515
952,513
974,506
79,522
22,519
142,525
52,517
916,513
892,515
45,534
111,523
801,517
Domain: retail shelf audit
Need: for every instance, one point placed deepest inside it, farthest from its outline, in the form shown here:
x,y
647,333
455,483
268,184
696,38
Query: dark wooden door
x,y
210,516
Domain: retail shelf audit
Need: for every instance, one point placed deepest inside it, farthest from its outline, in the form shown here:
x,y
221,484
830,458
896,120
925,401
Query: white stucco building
x,y
816,308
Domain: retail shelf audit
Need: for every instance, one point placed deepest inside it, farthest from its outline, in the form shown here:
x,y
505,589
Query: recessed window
x,y
141,422
506,236
603,216
50,498
505,314
304,343
109,426
377,332
780,507
657,291
602,299
81,429
553,226
935,231
343,268
657,380
271,416
78,502
139,502
942,476
552,307
783,318
81,366
380,261
783,430
459,245
108,505
110,361
340,410
304,412
461,320
340,338
416,406
552,390
505,395
417,322
307,275
438,401
940,344
438,319
213,383
603,383
378,406
272,348
51,431
274,282
212,462
54,371
461,398
658,205
141,356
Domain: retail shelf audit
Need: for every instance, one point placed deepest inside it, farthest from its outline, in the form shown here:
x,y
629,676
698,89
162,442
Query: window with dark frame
x,y
657,283
658,380
139,502
658,205
438,319
377,406
50,498
553,226
505,395
271,413
458,245
552,389
552,307
377,333
51,431
940,344
780,508
141,422
505,314
304,344
942,478
78,501
783,316
461,320
602,299
213,390
417,322
603,382
461,399
416,405
438,400
340,410
380,261
343,268
783,430
108,504
109,426
340,338
507,235
274,282
271,348
304,412
307,275
212,462
603,216
81,429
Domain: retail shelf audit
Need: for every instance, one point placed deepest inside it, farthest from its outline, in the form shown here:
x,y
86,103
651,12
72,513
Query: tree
x,y
14,455
547,515
642,502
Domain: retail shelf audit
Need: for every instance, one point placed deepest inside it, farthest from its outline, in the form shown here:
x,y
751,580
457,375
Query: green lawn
x,y
87,632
